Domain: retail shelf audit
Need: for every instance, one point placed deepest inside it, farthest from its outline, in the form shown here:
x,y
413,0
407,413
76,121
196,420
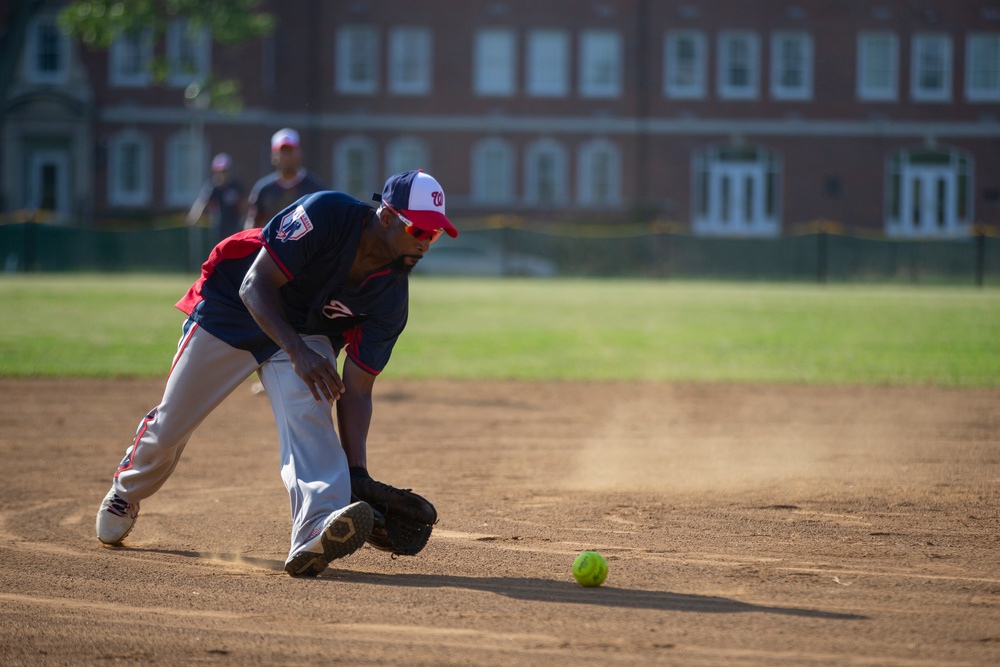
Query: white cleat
x,y
343,533
116,518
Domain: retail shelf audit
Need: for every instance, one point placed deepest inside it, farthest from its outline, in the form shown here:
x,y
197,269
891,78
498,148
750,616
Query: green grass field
x,y
125,325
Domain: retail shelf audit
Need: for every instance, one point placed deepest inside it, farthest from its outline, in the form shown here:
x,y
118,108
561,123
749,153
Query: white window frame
x,y
982,62
495,63
410,63
357,66
33,73
493,172
779,66
868,90
533,194
183,160
598,190
729,42
350,177
134,47
142,195
185,48
934,46
406,153
685,81
600,64
548,63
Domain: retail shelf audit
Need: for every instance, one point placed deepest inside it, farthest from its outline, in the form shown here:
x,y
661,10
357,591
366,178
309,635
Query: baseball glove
x,y
403,519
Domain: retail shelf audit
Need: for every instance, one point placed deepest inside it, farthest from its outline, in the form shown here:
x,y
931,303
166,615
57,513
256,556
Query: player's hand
x,y
319,375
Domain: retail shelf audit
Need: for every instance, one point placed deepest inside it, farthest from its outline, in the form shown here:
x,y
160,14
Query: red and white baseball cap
x,y
420,198
284,137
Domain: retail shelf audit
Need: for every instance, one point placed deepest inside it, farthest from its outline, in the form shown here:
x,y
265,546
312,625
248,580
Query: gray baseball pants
x,y
205,371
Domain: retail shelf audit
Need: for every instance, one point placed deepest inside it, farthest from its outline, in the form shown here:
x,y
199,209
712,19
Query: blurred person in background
x,y
288,183
222,195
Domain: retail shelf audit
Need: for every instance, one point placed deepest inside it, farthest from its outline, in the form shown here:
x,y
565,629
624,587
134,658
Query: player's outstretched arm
x,y
354,413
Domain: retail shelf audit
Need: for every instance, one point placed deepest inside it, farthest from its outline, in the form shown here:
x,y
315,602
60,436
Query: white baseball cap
x,y
284,137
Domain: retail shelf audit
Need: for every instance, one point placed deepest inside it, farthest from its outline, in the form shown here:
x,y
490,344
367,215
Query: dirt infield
x,y
744,525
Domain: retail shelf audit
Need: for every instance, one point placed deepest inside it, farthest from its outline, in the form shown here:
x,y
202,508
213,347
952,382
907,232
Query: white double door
x,y
929,201
737,201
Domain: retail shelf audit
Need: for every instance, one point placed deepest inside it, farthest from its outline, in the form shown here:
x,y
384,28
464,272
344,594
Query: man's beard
x,y
399,266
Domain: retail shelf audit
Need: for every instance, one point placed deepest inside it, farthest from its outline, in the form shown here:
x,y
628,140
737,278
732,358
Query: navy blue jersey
x,y
314,242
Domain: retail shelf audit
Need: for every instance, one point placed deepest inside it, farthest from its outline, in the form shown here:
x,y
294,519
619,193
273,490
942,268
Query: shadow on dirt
x,y
538,590
545,590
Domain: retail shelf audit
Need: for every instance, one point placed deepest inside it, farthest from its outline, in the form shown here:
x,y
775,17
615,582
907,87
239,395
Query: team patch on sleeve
x,y
294,225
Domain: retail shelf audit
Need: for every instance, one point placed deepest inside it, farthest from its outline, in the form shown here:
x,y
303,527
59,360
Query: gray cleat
x,y
343,533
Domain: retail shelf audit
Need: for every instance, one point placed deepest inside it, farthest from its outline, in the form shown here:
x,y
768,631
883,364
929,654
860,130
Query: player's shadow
x,y
547,590
534,589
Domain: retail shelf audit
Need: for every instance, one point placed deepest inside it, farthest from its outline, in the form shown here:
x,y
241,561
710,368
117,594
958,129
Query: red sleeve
x,y
239,245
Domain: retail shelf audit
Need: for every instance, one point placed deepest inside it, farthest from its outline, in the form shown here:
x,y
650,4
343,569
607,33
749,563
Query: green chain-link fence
x,y
820,257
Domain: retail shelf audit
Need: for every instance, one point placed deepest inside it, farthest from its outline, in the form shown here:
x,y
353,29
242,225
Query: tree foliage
x,y
98,23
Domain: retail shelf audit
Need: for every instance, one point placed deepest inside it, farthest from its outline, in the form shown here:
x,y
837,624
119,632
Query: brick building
x,y
722,117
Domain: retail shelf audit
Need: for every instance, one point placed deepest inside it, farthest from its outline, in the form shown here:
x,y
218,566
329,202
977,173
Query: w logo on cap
x,y
437,198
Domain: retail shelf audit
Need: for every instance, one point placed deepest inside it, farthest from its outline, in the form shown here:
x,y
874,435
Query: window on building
x,y
357,60
129,173
495,63
929,194
878,66
354,166
548,63
930,68
684,59
47,52
791,66
598,180
189,53
738,66
493,172
982,63
129,60
600,63
410,61
545,174
405,154
736,192
184,167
